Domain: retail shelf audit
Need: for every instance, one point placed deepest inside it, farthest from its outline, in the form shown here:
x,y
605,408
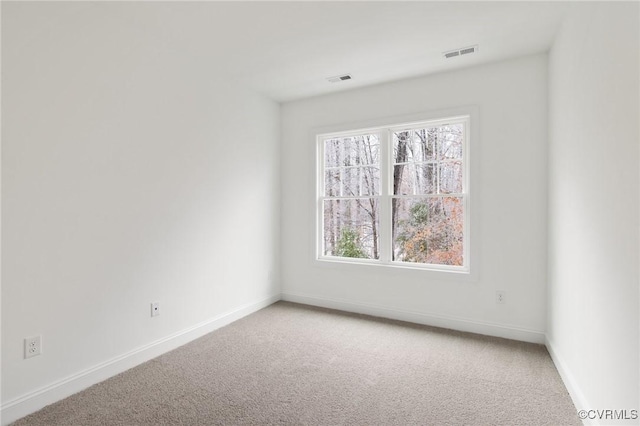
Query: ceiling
x,y
286,50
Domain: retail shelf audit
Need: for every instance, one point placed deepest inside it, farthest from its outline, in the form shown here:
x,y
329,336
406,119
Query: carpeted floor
x,y
294,364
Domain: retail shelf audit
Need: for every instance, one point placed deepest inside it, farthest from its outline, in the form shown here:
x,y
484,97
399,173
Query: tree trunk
x,y
401,157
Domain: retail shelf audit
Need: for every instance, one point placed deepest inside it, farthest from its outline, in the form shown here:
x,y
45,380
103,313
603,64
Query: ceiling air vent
x,y
339,78
460,52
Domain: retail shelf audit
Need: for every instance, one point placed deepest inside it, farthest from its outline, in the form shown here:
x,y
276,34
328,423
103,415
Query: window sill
x,y
396,269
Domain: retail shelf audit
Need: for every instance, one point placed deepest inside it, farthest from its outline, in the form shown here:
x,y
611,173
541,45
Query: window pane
x,y
352,151
443,142
414,179
331,152
370,181
351,228
352,182
449,141
360,181
428,230
413,146
365,150
451,177
401,141
332,185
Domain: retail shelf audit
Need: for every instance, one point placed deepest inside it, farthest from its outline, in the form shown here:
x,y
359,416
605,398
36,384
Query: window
x,y
396,195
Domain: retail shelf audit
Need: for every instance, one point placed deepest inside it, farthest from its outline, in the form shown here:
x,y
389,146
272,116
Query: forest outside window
x,y
396,195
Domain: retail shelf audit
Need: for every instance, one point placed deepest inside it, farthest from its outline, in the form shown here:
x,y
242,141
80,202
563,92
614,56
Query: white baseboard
x,y
33,401
460,324
576,394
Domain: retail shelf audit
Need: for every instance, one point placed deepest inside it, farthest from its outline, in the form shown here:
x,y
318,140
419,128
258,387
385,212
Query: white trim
x,y
473,221
570,383
33,401
435,320
349,133
420,124
444,270
385,239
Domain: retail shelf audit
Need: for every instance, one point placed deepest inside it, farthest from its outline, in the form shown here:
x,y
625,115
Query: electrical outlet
x,y
501,297
32,346
155,309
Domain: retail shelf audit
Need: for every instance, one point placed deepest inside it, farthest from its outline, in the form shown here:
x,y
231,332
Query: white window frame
x,y
384,133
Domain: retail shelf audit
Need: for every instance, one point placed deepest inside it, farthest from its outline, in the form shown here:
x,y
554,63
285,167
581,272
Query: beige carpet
x,y
293,364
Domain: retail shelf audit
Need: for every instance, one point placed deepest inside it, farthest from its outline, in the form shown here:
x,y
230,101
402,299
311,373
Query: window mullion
x,y
436,151
321,191
386,171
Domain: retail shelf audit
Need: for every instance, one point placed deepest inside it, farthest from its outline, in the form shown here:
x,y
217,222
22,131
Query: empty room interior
x,y
320,213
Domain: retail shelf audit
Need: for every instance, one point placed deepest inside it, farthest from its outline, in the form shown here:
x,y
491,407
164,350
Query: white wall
x,y
593,204
508,204
131,172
